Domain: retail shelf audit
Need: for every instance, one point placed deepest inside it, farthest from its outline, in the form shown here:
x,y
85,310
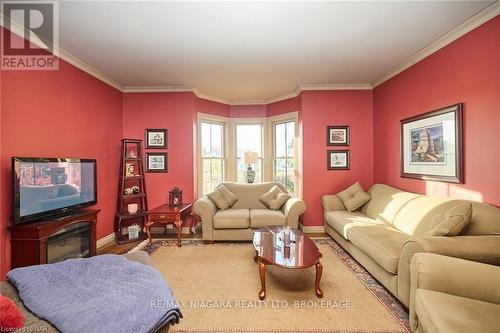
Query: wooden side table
x,y
166,214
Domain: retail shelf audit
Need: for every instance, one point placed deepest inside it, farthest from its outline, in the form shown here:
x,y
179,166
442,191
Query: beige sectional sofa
x,y
453,295
389,229
248,213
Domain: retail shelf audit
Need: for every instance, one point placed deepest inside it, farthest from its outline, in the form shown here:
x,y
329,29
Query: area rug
x,y
216,287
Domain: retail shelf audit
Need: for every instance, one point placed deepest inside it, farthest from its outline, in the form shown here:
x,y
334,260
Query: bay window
x,y
271,144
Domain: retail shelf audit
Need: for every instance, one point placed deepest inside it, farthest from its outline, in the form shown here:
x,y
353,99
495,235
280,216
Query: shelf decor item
x,y
175,197
129,170
156,162
337,136
156,138
431,145
250,158
338,160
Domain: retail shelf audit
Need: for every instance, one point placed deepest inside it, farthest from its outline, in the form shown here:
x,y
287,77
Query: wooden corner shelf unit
x,y
131,155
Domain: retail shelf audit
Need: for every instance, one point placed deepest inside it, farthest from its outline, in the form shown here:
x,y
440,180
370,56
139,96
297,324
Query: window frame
x,y
216,120
230,159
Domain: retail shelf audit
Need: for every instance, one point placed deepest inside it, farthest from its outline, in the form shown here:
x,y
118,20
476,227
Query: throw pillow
x,y
222,197
275,198
452,222
353,197
11,318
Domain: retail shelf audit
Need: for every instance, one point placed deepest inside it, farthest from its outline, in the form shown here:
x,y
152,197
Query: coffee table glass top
x,y
286,247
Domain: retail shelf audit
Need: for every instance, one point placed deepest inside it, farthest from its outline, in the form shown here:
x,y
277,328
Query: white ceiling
x,y
253,50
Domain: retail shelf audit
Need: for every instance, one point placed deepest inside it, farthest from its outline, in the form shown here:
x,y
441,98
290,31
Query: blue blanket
x,y
106,293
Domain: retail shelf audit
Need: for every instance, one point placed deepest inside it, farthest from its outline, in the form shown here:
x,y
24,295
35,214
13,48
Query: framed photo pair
x,y
431,145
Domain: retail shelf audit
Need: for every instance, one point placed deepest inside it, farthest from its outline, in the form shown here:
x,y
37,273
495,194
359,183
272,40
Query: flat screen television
x,y
45,187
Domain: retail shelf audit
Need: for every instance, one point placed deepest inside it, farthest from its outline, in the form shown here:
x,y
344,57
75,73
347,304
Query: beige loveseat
x,y
389,229
248,213
453,295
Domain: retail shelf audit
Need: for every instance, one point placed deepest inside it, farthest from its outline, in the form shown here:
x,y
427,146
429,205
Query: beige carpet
x,y
217,285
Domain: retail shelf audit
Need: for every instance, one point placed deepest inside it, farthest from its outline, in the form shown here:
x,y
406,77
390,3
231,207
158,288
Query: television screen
x,y
45,186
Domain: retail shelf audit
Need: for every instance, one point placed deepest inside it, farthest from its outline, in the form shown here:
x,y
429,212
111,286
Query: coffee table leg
x,y
319,271
262,273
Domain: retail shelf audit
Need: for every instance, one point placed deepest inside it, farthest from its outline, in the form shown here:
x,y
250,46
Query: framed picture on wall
x,y
431,145
156,138
157,162
338,160
337,136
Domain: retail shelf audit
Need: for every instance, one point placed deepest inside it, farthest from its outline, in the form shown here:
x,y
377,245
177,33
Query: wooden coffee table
x,y
272,248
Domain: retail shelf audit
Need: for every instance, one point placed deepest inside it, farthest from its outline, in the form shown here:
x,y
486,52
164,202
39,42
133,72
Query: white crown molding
x,y
467,26
209,98
18,29
283,97
236,102
309,87
141,89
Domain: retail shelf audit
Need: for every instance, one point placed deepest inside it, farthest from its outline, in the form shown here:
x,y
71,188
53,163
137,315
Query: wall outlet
x,y
170,226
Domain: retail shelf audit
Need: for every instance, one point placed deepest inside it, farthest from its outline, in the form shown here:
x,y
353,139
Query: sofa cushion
x,y
440,312
353,197
265,217
274,198
382,243
452,222
386,202
232,219
222,197
248,194
341,221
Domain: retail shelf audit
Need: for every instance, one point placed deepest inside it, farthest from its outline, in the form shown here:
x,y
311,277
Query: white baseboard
x,y
313,229
105,240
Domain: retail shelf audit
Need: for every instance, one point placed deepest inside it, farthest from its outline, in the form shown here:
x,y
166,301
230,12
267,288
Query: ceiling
x,y
253,50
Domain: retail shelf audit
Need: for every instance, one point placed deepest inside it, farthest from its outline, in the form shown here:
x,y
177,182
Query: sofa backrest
x,y
249,194
415,217
385,202
412,213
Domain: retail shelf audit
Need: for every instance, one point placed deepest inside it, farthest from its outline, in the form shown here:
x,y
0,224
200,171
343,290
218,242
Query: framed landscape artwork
x,y
156,138
338,160
156,162
431,145
337,136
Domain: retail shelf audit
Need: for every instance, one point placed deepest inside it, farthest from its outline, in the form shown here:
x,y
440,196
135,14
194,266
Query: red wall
x,y
175,112
215,108
468,71
248,111
287,105
63,113
319,109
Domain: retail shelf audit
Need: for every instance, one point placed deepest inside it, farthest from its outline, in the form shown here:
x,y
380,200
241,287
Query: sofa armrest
x,y
206,209
453,276
293,208
331,203
484,249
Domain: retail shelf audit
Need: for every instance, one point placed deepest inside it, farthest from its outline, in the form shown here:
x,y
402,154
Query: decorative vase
x,y
249,175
